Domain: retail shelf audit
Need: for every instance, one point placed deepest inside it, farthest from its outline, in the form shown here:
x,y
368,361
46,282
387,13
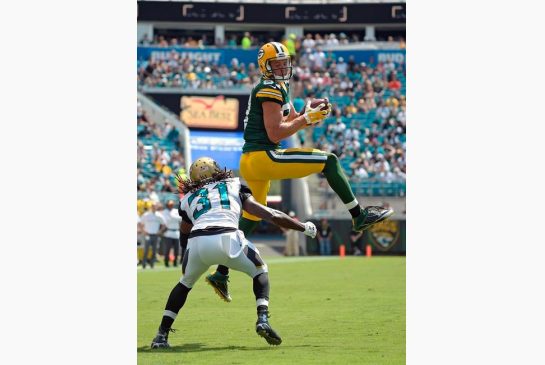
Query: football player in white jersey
x,y
210,210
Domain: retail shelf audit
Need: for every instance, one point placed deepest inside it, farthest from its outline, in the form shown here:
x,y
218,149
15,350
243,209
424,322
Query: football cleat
x,y
264,329
161,339
219,281
369,216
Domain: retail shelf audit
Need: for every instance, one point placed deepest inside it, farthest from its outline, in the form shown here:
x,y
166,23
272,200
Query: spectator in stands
x,y
145,41
232,42
154,226
324,236
342,67
308,42
360,173
317,59
337,129
289,42
172,234
319,41
394,83
399,175
292,239
332,41
161,41
356,243
246,42
343,39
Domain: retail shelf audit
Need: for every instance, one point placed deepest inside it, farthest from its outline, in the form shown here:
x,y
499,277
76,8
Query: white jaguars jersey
x,y
217,204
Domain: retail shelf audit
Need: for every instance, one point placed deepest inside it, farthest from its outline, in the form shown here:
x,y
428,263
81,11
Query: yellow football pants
x,y
258,168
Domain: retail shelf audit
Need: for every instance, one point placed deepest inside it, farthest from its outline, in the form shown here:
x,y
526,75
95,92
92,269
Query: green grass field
x,y
327,310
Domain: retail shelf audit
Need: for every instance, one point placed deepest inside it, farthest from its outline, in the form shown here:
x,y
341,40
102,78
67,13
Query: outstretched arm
x,y
277,217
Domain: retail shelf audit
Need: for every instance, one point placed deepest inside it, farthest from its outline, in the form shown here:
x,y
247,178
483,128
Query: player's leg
x,y
176,247
153,240
147,243
247,223
250,262
183,247
260,189
295,163
192,268
166,252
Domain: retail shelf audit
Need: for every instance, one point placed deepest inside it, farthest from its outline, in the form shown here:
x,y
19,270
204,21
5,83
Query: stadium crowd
x,y
175,71
247,40
158,161
366,128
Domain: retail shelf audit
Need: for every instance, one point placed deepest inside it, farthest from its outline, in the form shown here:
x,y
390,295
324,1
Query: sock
x,y
338,181
247,225
261,290
224,270
354,212
175,302
262,308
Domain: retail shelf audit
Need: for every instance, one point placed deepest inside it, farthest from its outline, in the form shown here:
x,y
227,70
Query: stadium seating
x,y
380,132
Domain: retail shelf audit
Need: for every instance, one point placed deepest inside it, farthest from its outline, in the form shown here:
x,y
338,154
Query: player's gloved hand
x,y
310,229
316,115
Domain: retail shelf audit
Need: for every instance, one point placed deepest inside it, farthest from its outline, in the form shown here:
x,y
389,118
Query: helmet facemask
x,y
288,67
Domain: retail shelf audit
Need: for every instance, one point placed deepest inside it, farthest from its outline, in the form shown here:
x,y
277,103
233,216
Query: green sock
x,y
336,178
247,225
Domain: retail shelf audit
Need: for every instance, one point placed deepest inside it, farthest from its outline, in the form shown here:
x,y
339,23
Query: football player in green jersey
x,y
270,118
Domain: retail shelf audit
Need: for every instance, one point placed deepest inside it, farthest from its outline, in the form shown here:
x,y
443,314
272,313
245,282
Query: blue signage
x,y
214,55
225,55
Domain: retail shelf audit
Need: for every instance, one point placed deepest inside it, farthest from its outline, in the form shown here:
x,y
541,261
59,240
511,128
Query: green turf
x,y
328,311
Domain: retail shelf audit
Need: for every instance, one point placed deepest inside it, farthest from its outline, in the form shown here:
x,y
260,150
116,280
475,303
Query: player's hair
x,y
188,186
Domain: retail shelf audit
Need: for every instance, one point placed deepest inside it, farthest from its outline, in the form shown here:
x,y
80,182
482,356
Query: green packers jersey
x,y
255,135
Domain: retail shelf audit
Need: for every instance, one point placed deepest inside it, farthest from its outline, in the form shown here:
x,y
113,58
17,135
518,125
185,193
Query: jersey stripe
x,y
274,91
268,95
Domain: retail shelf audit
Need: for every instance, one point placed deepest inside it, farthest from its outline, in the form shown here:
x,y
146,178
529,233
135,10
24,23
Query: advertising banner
x,y
215,55
210,112
224,147
225,55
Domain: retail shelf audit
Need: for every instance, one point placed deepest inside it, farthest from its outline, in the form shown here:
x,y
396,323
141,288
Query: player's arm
x,y
277,129
185,227
293,114
277,217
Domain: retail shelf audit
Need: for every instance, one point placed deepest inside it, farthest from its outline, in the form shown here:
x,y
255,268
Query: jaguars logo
x,y
384,235
260,54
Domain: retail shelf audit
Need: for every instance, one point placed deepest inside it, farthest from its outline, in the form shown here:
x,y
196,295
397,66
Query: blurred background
x,y
197,63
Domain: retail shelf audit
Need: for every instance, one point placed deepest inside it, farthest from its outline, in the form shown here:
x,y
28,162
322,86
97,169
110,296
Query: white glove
x,y
315,115
310,229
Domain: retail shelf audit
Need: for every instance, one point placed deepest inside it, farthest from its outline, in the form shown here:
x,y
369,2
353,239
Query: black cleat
x,y
219,283
369,216
161,339
264,329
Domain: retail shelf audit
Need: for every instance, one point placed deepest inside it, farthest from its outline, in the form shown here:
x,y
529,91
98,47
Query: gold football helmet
x,y
203,168
270,52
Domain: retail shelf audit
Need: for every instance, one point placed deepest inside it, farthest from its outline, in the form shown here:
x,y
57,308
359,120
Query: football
x,y
315,102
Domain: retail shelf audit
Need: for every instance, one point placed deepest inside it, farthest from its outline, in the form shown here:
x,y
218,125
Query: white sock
x,y
352,204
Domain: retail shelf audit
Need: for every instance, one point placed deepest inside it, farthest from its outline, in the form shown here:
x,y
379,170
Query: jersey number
x,y
205,202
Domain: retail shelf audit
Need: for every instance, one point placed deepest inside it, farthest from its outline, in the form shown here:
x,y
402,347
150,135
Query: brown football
x,y
315,102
